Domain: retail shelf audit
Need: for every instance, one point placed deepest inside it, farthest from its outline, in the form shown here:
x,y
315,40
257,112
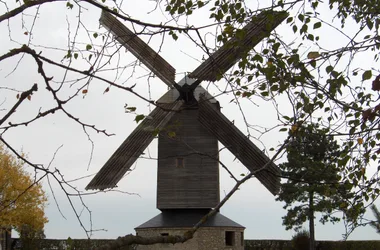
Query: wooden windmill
x,y
188,162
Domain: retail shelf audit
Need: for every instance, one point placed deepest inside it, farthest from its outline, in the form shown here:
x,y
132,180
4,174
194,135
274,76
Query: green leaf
x,y
317,25
139,118
313,63
295,28
75,55
95,35
329,69
88,46
172,134
367,75
68,5
181,10
301,17
131,109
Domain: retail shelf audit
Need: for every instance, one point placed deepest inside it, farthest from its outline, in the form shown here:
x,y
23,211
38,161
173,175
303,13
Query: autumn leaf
x,y
294,128
18,96
376,83
84,91
360,141
17,184
366,114
363,171
29,97
313,55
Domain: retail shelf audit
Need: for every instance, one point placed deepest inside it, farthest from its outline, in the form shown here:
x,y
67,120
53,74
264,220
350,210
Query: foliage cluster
x,y
313,179
22,200
300,241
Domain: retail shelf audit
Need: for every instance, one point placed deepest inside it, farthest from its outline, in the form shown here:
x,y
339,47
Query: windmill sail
x,y
158,65
232,51
123,158
239,145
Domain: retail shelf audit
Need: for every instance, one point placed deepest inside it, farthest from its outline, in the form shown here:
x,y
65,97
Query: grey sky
x,y
252,206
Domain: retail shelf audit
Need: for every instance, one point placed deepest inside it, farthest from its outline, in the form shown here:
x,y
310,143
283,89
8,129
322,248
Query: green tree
x,y
376,223
313,177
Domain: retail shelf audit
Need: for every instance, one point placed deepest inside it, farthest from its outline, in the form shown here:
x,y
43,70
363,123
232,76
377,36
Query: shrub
x,y
300,241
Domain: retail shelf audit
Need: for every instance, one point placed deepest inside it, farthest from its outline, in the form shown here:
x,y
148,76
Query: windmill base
x,y
218,232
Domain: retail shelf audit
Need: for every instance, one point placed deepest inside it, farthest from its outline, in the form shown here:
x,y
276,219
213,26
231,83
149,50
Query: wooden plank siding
x,y
139,48
123,158
239,145
226,56
196,183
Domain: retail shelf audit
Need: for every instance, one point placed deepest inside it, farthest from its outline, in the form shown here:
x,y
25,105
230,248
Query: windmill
x,y
189,125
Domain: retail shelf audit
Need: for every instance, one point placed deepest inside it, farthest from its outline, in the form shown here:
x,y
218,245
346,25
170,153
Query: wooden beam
x,y
232,51
128,152
239,145
142,51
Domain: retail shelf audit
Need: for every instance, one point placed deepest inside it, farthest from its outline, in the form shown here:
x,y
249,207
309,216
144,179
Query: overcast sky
x,y
115,212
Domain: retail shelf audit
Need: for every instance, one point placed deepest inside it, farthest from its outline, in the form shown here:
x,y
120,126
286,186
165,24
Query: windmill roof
x,y
175,218
173,94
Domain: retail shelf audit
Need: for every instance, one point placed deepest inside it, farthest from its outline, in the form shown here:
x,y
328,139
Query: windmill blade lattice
x,y
142,51
128,152
239,145
232,51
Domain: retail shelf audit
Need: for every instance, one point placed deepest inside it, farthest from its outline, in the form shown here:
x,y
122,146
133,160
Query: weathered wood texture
x,y
239,145
225,57
196,184
139,48
123,158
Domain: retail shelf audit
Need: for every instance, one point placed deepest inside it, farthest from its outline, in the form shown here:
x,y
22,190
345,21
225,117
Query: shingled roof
x,y
175,218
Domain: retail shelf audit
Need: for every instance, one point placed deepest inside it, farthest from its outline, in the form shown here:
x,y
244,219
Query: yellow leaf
x,y
313,55
294,128
172,134
363,171
18,185
360,141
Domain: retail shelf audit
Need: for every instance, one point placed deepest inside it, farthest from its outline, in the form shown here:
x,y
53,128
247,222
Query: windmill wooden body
x,y
189,125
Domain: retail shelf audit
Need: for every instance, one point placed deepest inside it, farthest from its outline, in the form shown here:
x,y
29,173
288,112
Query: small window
x,y
242,238
164,234
230,238
180,163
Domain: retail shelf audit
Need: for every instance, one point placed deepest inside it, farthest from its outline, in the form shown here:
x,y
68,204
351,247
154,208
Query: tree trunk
x,y
311,221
